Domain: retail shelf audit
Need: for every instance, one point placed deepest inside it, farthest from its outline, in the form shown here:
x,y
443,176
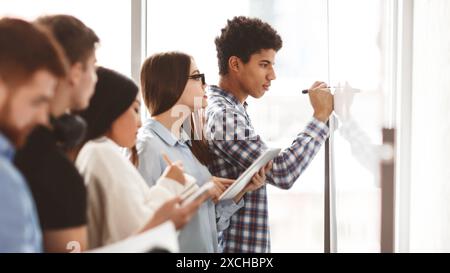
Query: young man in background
x,y
246,51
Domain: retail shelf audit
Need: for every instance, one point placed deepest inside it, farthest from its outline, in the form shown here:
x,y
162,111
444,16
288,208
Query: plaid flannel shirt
x,y
235,145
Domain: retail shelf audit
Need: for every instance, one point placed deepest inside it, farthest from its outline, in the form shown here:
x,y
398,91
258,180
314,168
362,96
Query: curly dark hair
x,y
242,37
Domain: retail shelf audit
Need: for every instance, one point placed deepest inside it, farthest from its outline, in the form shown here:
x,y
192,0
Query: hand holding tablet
x,y
247,175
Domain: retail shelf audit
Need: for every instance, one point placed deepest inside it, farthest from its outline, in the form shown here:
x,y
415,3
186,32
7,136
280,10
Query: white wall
x,y
430,161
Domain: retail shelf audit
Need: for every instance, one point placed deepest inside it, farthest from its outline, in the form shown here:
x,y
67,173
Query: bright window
x,y
112,25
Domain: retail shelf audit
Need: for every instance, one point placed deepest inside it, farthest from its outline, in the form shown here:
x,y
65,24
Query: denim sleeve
x,y
224,210
149,166
19,230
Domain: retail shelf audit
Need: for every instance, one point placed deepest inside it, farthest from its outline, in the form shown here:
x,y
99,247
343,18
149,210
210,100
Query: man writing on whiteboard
x,y
246,51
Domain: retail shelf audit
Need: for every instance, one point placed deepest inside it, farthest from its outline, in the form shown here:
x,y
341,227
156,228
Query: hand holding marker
x,y
346,88
306,91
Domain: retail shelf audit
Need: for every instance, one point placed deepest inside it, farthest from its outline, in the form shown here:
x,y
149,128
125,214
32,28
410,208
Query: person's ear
x,y
75,74
234,63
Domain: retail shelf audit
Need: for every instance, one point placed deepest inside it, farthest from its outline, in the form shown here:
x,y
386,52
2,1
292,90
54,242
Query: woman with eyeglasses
x,y
120,203
173,90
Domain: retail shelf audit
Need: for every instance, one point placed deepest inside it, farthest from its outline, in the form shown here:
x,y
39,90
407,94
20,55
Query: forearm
x,y
291,162
72,240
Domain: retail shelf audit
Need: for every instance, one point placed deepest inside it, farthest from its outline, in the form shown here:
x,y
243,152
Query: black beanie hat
x,y
113,95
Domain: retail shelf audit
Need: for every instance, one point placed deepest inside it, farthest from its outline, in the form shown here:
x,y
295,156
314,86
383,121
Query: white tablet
x,y
203,190
246,176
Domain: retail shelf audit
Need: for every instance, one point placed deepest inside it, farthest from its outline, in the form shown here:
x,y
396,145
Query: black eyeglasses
x,y
197,77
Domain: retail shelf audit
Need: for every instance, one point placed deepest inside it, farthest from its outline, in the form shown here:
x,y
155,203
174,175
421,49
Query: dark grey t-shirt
x,y
57,187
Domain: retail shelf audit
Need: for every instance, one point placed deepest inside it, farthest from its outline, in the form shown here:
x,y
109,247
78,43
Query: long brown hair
x,y
163,79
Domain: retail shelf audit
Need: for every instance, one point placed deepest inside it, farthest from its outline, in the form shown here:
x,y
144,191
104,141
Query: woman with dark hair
x,y
173,89
120,203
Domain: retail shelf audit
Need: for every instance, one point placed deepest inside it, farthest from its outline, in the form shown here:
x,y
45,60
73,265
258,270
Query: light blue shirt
x,y
19,226
200,234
